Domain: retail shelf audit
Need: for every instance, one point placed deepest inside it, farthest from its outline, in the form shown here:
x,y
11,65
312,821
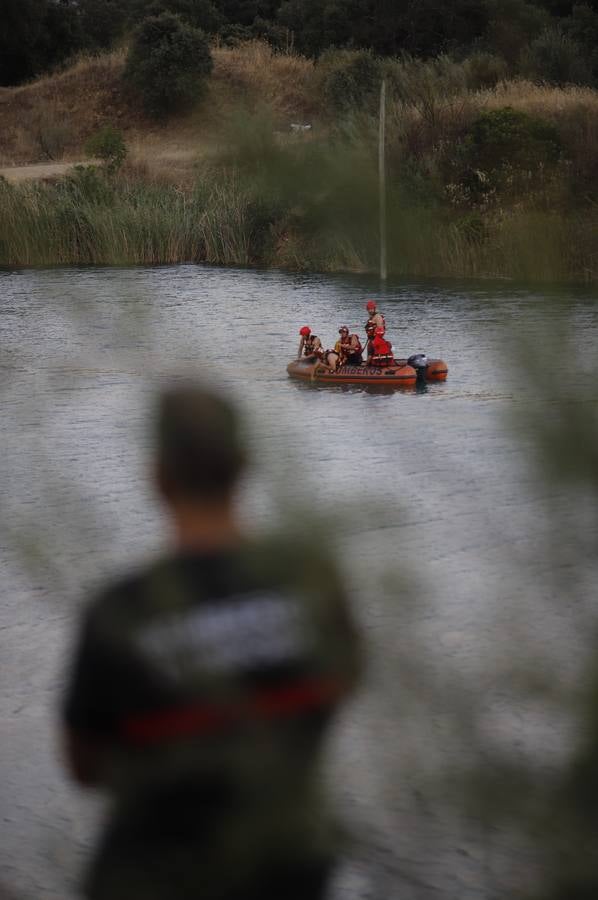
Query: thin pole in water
x,y
382,179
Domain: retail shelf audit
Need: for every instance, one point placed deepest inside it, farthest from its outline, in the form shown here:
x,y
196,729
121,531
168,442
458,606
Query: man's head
x,y
344,332
200,452
371,306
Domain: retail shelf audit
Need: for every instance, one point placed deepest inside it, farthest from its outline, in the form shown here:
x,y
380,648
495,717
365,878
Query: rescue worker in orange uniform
x,y
310,345
376,318
311,348
380,351
370,331
348,348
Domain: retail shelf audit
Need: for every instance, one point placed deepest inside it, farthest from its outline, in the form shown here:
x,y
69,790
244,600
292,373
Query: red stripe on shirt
x,y
197,719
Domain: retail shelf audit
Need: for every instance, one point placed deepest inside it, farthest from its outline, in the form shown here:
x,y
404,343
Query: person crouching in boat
x,y
310,346
348,348
380,351
376,319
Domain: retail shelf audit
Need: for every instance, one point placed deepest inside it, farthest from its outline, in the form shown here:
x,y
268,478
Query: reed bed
x,y
91,219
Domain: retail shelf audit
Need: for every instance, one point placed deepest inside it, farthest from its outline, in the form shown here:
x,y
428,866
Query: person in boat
x,y
380,351
310,346
349,348
370,330
204,686
376,319
332,359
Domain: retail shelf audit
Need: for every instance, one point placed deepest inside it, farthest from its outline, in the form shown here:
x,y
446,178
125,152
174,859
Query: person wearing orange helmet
x,y
380,351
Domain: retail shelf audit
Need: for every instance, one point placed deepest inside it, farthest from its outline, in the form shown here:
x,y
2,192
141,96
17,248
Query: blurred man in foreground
x,y
202,689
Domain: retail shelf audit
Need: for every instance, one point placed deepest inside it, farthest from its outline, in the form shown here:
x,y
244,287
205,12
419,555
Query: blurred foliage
x,y
350,81
426,85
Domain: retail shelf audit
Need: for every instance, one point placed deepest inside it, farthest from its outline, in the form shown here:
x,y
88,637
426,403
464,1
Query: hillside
x,y
499,180
50,119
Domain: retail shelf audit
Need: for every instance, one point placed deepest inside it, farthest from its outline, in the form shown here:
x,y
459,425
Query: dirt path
x,y
38,170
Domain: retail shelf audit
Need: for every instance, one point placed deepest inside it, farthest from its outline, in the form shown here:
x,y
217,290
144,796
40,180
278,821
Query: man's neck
x,y
205,527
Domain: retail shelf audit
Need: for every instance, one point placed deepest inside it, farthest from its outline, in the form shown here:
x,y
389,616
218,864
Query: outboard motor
x,y
419,361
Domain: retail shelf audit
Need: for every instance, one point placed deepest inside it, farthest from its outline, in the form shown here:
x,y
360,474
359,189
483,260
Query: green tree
x,y
21,26
102,21
168,63
582,27
202,14
556,58
35,35
512,24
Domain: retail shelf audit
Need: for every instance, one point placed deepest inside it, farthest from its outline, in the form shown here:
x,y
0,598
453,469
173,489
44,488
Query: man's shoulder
x,y
127,595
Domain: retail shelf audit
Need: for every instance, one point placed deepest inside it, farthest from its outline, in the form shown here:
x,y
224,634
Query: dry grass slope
x,y
52,117
168,206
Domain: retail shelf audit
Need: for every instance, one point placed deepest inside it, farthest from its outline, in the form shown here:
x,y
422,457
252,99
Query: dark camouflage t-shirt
x,y
210,681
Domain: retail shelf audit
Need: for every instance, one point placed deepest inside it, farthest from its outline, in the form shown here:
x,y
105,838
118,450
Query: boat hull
x,y
401,375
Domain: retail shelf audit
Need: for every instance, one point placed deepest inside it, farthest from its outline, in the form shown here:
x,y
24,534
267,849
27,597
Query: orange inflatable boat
x,y
406,373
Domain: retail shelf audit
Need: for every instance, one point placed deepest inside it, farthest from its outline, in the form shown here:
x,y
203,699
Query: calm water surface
x,y
427,485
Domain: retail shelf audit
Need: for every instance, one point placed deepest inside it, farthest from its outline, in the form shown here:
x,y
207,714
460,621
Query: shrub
x,y
555,58
168,63
506,151
108,145
350,80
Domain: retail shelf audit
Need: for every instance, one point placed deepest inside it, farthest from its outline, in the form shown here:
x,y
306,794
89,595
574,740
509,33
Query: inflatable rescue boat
x,y
406,372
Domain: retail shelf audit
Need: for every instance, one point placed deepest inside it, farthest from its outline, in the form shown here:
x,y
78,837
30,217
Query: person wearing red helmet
x,y
380,351
375,318
348,348
310,345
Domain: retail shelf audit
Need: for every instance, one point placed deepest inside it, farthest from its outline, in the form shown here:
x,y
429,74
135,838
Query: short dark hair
x,y
200,451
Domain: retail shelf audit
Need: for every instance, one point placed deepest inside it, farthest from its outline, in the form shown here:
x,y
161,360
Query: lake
x,y
453,544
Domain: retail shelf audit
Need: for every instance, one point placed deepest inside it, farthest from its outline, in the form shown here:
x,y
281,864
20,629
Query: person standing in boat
x,y
380,351
376,319
349,348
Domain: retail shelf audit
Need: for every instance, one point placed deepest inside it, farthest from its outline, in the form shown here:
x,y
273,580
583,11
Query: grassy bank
x,y
497,182
88,219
